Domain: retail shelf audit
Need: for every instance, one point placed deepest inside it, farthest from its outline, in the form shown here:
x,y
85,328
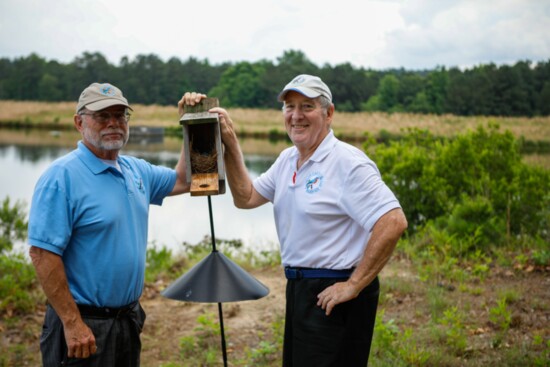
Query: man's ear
x,y
77,119
330,114
330,110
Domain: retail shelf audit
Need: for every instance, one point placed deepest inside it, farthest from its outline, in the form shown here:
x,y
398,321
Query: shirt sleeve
x,y
161,180
50,216
164,181
266,183
367,197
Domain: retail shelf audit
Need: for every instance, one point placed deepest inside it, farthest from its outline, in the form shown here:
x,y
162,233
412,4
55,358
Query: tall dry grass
x,y
351,125
37,112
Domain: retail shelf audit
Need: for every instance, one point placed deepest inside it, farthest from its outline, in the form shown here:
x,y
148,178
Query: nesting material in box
x,y
203,148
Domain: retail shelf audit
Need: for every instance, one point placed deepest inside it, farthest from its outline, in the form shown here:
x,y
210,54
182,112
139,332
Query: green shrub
x,y
455,335
541,257
17,275
410,350
196,252
473,224
500,315
202,348
13,225
385,336
17,283
475,185
158,261
270,349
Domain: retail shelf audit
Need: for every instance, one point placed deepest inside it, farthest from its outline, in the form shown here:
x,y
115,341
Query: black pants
x,y
117,339
341,339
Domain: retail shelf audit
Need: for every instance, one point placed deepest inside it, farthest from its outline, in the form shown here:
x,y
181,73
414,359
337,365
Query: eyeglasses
x,y
104,116
304,107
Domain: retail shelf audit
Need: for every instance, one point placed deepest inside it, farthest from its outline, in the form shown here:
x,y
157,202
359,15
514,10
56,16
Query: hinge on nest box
x,y
203,148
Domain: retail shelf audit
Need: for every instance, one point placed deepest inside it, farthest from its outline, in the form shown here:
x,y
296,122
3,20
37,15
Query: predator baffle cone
x,y
216,279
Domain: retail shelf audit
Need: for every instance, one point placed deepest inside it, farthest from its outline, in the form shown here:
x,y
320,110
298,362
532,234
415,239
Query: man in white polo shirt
x,y
337,223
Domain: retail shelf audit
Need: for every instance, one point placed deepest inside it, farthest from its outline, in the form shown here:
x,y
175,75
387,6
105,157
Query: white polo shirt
x,y
325,211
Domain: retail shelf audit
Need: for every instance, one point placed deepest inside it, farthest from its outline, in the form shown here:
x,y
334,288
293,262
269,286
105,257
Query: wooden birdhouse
x,y
203,148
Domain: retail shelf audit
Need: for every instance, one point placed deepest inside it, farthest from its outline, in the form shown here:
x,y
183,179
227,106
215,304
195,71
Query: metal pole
x,y
224,352
212,224
220,313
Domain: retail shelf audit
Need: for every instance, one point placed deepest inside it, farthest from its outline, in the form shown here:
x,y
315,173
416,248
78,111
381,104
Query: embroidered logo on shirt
x,y
314,182
139,184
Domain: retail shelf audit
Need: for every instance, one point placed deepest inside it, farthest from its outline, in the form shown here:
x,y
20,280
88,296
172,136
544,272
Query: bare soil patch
x,y
405,299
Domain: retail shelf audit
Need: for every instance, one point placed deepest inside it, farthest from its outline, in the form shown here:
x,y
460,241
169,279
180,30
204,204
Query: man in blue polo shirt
x,y
88,237
337,222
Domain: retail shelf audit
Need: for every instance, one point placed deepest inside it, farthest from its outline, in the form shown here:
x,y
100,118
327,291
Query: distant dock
x,y
144,135
146,131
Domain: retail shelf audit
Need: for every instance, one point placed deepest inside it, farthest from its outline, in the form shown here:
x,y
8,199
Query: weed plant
x,y
203,347
270,349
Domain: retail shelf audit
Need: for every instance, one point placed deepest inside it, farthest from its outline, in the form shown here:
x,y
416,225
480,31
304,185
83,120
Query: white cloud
x,y
469,32
377,34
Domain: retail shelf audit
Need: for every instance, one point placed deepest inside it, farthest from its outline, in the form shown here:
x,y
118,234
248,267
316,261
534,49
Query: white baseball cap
x,y
308,85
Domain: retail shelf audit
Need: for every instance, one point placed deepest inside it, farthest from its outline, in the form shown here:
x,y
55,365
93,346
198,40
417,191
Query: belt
x,y
299,273
105,312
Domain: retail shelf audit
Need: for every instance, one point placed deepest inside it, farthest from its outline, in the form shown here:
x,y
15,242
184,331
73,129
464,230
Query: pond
x,y
24,155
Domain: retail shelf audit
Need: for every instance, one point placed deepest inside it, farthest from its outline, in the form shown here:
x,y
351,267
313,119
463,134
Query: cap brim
x,y
308,92
104,103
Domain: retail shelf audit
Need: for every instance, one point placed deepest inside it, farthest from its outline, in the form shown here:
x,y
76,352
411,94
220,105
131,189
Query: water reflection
x,y
33,154
24,156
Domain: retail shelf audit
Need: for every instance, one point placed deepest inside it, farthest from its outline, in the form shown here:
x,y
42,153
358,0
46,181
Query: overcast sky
x,y
415,34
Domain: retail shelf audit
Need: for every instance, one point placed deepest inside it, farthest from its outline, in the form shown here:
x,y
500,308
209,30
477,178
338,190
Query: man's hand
x,y
191,99
51,274
336,294
384,237
80,340
226,126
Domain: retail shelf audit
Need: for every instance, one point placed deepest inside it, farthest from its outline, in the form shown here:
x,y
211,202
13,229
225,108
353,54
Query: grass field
x,y
351,126
256,125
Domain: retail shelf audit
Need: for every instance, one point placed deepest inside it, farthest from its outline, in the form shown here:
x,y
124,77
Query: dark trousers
x,y
341,339
117,339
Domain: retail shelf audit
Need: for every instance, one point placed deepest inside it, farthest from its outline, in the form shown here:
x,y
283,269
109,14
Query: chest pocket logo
x,y
139,184
314,182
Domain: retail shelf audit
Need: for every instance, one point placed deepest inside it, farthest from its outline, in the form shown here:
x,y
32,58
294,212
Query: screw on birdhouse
x,y
203,148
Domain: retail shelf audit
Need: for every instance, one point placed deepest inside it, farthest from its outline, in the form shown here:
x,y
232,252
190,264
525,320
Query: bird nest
x,y
203,162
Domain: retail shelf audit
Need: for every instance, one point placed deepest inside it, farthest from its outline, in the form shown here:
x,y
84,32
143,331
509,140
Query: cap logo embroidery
x,y
107,90
298,80
314,182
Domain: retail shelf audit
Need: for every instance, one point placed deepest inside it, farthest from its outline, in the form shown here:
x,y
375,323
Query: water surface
x,y
24,155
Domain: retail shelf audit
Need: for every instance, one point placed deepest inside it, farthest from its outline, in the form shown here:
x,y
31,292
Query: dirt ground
x,y
405,299
169,320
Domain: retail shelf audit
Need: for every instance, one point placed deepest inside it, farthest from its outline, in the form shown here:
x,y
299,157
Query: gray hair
x,y
324,102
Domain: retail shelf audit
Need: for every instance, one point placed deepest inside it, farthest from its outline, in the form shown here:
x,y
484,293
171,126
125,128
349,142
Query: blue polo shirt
x,y
95,217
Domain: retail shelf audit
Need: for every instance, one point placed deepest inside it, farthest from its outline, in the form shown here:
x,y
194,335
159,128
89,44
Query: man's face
x,y
106,131
306,122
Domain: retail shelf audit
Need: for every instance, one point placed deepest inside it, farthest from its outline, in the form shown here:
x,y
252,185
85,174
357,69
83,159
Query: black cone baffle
x,y
216,279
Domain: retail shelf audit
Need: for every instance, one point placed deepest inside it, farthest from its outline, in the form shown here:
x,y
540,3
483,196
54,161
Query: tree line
x,y
522,89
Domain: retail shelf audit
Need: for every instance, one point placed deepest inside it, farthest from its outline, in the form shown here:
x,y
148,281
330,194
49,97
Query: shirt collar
x,y
324,148
320,153
89,159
